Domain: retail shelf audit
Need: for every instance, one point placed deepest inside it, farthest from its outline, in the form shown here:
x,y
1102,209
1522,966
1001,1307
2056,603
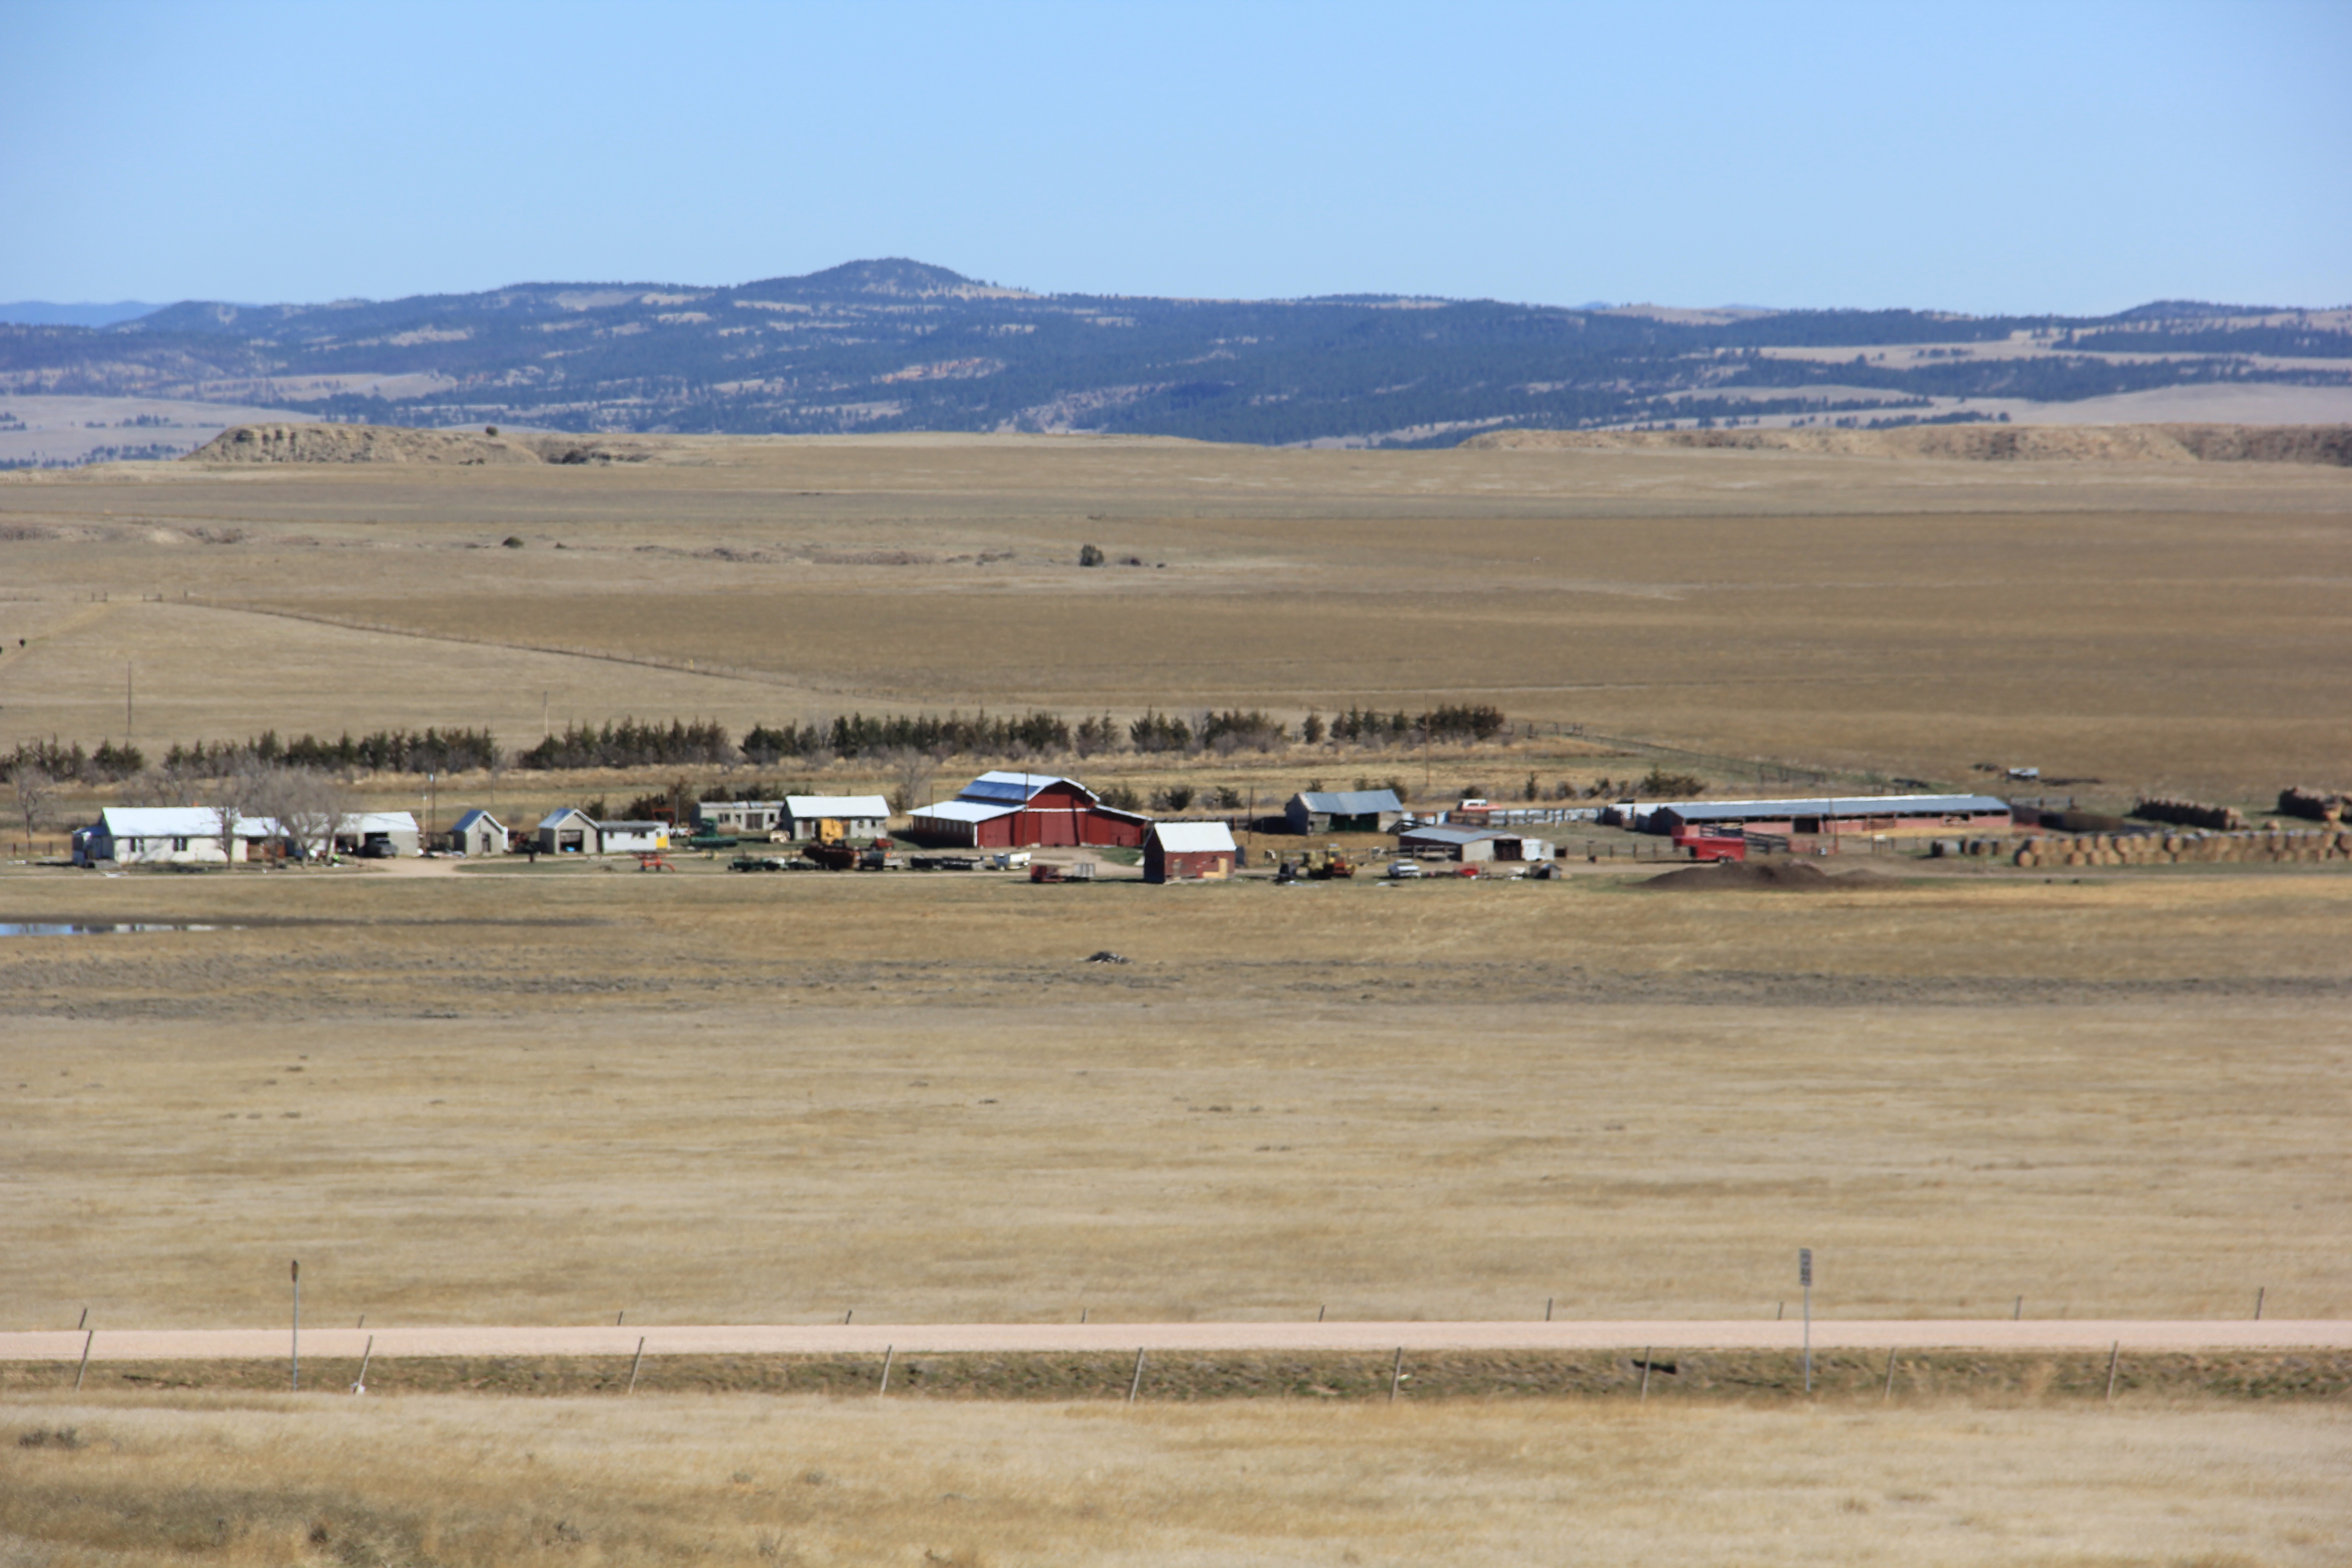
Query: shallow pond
x,y
99,928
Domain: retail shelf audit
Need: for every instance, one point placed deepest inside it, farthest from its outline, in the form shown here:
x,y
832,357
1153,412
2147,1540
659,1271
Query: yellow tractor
x,y
1334,867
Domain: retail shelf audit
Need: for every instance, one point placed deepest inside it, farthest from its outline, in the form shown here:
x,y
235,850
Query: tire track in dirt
x,y
838,1339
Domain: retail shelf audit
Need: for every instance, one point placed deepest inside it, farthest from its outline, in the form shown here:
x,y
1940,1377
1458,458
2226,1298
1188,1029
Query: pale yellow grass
x,y
507,1097
733,1479
2165,626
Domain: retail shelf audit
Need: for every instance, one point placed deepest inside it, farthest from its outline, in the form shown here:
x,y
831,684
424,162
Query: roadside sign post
x,y
1805,1278
294,1361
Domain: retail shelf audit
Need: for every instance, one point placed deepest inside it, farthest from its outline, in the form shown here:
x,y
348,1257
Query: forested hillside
x,y
898,346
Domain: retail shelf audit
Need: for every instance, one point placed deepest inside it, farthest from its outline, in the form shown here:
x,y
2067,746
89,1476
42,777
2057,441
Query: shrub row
x,y
109,763
385,751
630,742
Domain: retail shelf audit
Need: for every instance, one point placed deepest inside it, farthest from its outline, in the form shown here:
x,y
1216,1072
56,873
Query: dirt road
x,y
1973,1334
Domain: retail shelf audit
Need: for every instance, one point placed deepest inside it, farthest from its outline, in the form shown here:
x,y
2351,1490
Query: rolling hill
x,y
901,345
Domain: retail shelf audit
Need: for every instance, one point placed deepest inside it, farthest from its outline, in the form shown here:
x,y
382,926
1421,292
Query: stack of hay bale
x,y
2268,844
2316,806
2191,814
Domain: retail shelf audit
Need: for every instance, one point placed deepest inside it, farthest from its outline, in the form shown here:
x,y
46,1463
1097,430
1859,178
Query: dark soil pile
x,y
1785,877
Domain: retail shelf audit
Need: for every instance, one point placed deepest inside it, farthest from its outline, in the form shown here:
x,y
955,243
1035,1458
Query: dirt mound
x,y
358,443
389,444
2266,443
1787,877
1975,443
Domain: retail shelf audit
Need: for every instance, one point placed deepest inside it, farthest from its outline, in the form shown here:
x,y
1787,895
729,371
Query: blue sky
x,y
1981,156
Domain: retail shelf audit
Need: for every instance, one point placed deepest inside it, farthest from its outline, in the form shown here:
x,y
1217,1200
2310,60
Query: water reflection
x,y
98,928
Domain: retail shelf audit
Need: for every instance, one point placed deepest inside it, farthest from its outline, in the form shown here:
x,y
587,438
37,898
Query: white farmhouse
x,y
631,837
740,816
164,836
860,816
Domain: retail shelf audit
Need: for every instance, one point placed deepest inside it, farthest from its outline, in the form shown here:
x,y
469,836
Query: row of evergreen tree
x,y
630,743
384,751
109,763
938,735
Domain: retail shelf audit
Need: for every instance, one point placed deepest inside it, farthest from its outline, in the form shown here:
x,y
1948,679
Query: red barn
x,y
1019,811
1188,852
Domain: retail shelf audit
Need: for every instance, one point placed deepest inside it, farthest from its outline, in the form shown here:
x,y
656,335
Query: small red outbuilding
x,y
1188,852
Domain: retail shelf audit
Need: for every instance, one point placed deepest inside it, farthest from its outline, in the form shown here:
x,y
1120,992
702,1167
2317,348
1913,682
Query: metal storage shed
x,y
478,833
1343,811
1876,813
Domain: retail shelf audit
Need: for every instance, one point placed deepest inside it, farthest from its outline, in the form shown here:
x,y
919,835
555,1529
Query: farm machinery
x,y
831,850
1333,866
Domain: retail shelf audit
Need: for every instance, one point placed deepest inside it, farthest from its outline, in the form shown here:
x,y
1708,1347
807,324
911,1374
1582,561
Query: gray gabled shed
x,y
1343,811
478,833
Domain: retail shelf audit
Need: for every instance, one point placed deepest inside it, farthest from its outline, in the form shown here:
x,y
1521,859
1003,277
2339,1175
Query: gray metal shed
x,y
1343,811
478,833
1465,843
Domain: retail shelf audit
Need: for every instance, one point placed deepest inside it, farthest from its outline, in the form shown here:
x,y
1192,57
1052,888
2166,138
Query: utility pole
x,y
1805,1278
129,728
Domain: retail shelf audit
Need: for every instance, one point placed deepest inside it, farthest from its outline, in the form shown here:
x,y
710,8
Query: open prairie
x,y
247,1479
558,1094
2166,626
515,1097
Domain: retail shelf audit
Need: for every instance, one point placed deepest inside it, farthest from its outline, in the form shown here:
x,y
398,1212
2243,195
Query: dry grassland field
x,y
262,1480
2178,626
553,1095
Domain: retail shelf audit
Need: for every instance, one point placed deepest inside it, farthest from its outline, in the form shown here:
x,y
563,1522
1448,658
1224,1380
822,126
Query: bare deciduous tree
x,y
234,796
306,805
911,770
33,789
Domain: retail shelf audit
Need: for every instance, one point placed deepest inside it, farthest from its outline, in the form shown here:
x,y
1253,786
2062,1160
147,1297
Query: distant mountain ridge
x,y
897,344
47,313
